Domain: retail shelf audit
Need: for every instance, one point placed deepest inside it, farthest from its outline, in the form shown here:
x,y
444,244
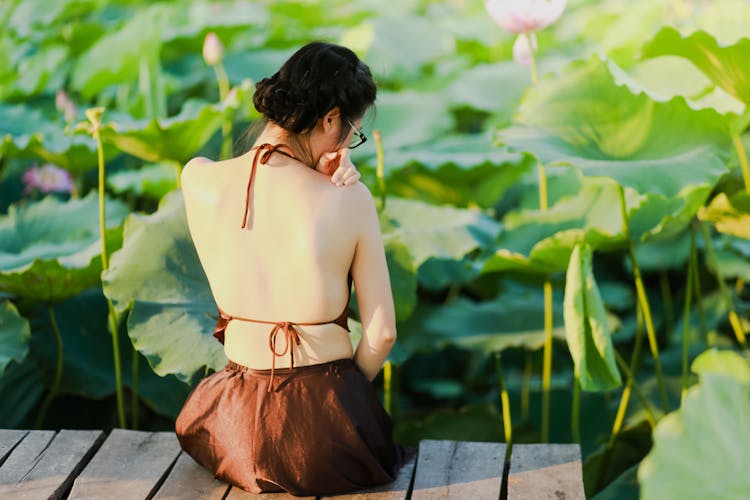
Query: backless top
x,y
263,153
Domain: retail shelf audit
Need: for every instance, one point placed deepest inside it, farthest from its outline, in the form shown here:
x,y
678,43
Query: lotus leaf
x,y
593,117
438,231
728,66
50,250
586,327
14,335
701,450
175,138
25,131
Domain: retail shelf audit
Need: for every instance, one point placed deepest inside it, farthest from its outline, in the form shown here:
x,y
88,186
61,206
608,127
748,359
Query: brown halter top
x,y
288,327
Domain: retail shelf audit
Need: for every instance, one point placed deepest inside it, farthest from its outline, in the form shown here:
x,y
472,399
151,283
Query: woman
x,y
279,242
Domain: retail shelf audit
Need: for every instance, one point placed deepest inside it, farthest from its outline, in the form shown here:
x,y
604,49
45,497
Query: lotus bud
x,y
522,51
213,50
524,16
47,178
65,105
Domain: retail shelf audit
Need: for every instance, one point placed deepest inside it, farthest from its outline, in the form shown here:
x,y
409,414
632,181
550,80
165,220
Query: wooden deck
x,y
125,464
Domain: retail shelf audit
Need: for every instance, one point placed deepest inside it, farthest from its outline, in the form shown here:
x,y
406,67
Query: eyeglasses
x,y
358,138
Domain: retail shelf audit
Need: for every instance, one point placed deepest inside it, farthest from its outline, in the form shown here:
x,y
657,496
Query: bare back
x,y
290,265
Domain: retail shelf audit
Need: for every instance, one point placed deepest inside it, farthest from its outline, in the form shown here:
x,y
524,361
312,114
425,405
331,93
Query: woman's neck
x,y
273,134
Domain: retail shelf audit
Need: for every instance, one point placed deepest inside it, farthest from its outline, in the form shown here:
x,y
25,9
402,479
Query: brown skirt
x,y
322,429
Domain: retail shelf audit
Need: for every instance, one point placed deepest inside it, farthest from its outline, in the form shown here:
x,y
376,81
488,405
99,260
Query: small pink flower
x,y
522,51
524,16
47,178
213,50
65,105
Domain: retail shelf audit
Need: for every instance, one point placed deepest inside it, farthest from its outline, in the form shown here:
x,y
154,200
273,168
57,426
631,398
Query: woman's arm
x,y
373,286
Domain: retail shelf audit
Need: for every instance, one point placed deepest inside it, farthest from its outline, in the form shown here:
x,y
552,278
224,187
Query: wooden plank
x,y
129,465
541,471
395,490
188,479
53,471
458,469
8,439
24,456
239,494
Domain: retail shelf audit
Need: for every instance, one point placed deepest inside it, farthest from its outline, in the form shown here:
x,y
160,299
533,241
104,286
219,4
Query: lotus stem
x,y
58,371
742,155
547,353
666,296
643,299
686,317
575,418
526,386
94,116
625,398
380,172
113,323
697,284
739,285
650,416
504,400
387,386
226,128
134,388
532,57
734,320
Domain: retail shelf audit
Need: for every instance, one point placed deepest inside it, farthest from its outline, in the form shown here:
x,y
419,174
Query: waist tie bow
x,y
290,332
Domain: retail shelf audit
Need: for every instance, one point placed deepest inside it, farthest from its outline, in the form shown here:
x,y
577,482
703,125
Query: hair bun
x,y
315,79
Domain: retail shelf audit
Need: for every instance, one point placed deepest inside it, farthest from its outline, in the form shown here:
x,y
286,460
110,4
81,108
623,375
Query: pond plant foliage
x,y
563,191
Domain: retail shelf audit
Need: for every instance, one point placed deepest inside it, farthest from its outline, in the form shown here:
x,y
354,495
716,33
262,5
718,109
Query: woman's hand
x,y
338,163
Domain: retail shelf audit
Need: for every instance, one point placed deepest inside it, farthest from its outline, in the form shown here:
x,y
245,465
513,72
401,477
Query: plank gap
x,y
163,478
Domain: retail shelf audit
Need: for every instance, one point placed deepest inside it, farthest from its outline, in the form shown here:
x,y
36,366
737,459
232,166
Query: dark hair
x,y
315,79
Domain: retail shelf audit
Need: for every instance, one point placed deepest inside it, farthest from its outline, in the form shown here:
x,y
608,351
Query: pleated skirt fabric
x,y
321,430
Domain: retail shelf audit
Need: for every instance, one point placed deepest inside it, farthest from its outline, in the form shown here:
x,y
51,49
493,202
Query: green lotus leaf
x,y
430,231
513,319
460,170
713,425
26,132
175,138
732,257
495,88
728,66
409,117
21,387
117,57
50,250
173,311
394,46
14,335
44,69
589,118
28,16
730,214
541,241
153,180
88,363
586,327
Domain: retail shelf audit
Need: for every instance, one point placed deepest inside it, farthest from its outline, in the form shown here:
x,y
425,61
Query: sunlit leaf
x,y
729,214
728,66
173,311
586,328
713,424
588,117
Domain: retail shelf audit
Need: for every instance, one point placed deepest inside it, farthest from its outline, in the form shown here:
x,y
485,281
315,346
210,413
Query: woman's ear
x,y
329,120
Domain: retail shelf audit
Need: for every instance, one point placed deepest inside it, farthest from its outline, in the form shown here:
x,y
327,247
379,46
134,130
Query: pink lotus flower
x,y
213,50
47,178
524,16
